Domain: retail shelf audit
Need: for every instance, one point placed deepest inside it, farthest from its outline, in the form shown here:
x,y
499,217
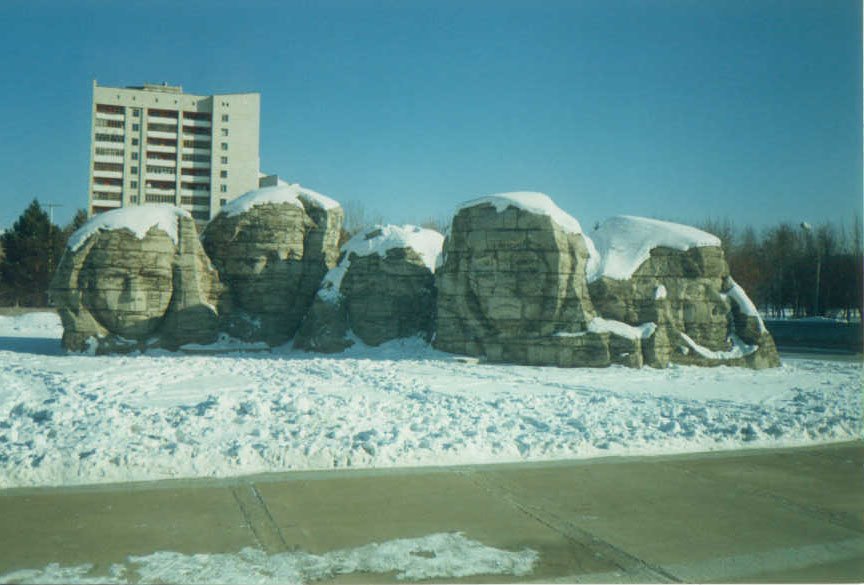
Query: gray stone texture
x,y
695,304
382,298
512,288
118,293
272,258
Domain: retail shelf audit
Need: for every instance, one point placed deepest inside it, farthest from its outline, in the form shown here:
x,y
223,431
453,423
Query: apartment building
x,y
156,144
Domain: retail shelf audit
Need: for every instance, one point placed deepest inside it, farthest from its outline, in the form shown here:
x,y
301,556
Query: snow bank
x,y
436,556
137,219
292,194
625,242
71,419
427,243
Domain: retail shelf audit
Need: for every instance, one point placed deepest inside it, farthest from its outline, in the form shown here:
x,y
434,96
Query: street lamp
x,y
808,229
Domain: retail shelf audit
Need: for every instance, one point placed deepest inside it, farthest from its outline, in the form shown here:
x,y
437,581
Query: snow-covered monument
x,y
136,278
272,246
516,280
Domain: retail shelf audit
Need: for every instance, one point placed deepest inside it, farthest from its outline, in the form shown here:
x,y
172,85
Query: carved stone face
x,y
127,283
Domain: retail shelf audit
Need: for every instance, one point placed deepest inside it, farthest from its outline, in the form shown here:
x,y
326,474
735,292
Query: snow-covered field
x,y
69,419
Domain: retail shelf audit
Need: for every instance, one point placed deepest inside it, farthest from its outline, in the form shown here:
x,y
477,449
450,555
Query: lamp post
x,y
808,229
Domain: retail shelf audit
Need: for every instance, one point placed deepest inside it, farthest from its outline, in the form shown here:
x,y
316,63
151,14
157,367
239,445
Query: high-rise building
x,y
156,144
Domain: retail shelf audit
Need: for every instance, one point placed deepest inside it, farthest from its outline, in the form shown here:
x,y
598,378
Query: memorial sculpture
x,y
516,280
136,278
382,289
272,246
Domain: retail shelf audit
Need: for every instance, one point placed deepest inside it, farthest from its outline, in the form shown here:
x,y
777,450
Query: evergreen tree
x,y
32,249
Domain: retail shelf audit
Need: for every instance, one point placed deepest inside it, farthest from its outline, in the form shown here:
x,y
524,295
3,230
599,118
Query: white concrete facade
x,y
156,144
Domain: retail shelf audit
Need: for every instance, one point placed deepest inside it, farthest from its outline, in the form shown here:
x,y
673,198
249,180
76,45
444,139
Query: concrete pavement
x,y
762,515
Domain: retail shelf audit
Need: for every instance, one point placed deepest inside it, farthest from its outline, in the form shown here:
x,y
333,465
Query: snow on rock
x,y
427,243
534,202
601,325
624,242
619,328
71,419
137,219
739,349
737,294
292,194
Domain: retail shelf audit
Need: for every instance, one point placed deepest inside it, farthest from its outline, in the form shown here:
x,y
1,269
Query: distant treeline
x,y
788,270
797,270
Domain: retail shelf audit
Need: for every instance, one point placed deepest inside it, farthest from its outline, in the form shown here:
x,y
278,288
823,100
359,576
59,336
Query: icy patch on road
x,y
437,556
70,419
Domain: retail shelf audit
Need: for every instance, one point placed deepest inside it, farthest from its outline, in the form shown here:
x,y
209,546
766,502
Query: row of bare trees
x,y
797,270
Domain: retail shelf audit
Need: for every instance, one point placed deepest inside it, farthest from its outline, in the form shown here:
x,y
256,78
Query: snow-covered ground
x,y
68,419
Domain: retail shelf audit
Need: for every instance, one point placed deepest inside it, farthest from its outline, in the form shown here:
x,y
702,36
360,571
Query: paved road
x,y
761,515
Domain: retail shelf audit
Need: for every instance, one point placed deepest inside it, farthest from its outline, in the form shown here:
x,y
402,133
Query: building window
x,y
109,109
223,174
162,113
162,127
134,156
224,131
223,188
224,160
136,127
136,112
108,138
133,184
134,142
224,146
196,144
109,151
112,167
224,117
100,123
204,158
222,202
197,116
133,170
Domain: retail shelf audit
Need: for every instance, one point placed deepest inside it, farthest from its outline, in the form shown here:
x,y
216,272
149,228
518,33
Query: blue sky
x,y
677,109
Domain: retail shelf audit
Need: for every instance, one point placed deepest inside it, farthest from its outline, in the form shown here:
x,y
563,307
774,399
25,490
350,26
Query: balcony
x,y
161,158
151,176
109,141
107,188
108,174
107,158
157,191
196,150
106,205
107,116
107,130
106,196
198,123
161,134
187,164
196,178
160,148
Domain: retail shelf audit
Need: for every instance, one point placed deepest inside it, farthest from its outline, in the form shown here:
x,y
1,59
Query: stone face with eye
x,y
126,284
119,289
